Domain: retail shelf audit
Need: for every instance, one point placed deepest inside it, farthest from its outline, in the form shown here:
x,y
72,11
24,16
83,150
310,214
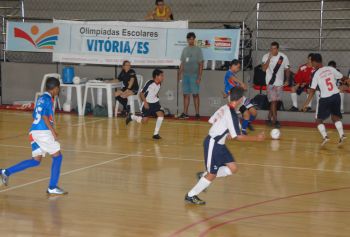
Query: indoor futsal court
x,y
174,118
121,183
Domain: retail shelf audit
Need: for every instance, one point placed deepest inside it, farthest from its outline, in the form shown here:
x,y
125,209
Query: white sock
x,y
341,101
158,125
223,171
202,184
322,130
339,126
294,99
136,118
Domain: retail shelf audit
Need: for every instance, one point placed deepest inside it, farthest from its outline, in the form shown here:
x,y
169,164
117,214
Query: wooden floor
x,y
122,183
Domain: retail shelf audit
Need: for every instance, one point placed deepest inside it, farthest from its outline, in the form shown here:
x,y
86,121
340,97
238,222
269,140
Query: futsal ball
x,y
275,134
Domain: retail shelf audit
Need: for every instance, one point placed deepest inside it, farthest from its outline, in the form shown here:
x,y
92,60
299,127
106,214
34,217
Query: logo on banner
x,y
223,43
45,40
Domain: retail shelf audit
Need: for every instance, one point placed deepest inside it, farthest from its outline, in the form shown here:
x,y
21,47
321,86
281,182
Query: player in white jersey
x,y
43,138
219,161
324,79
150,103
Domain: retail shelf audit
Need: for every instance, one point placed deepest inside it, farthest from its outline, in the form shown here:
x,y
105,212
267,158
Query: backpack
x,y
259,76
100,111
261,102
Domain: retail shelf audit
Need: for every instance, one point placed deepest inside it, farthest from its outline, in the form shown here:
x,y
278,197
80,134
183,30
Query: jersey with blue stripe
x,y
44,107
228,82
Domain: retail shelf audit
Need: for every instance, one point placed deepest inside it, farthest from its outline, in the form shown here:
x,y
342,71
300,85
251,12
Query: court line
x,y
187,159
211,228
64,173
229,211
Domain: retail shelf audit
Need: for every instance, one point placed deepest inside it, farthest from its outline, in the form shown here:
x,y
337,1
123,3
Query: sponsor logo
x,y
45,40
223,43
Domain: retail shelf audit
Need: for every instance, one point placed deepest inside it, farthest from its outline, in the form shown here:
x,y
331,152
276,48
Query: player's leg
x,y
323,113
246,115
6,173
160,118
342,88
186,89
252,116
53,189
139,119
204,181
337,116
294,97
195,91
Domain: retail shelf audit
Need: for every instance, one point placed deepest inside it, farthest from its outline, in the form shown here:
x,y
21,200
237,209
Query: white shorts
x,y
43,142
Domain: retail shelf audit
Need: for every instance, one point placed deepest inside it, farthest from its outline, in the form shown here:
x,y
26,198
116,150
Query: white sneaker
x,y
325,140
56,191
342,140
4,177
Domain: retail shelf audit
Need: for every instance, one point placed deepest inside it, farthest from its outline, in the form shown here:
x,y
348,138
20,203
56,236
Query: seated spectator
x,y
341,85
130,86
160,12
302,81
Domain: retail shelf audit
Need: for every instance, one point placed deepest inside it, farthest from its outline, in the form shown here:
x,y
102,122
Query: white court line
x,y
62,174
193,160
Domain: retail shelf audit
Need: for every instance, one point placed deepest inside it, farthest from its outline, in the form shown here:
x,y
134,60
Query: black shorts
x,y
133,91
215,155
329,106
152,111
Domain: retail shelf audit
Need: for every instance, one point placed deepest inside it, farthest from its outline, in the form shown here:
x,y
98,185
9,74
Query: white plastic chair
x,y
42,88
132,98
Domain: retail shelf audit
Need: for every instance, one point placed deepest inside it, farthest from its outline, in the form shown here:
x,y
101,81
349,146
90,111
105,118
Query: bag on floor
x,y
261,102
100,111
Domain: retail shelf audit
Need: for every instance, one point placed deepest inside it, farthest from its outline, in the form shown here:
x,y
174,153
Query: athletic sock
x,y
322,130
339,126
158,125
136,118
202,184
21,166
251,118
341,102
223,171
55,171
294,99
245,124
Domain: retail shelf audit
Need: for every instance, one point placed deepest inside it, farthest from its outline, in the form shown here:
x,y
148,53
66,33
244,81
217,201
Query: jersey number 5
x,y
37,115
329,84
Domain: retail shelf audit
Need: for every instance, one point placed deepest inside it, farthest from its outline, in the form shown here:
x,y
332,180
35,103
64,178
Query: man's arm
x,y
181,70
143,98
245,138
200,71
309,98
48,124
244,86
267,63
287,71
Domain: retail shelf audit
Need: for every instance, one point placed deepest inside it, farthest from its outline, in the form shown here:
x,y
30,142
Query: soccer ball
x,y
275,134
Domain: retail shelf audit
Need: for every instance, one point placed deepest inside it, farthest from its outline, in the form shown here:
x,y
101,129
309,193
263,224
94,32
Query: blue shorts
x,y
215,155
189,85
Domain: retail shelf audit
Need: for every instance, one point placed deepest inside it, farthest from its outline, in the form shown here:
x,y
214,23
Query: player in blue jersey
x,y
43,138
219,161
247,109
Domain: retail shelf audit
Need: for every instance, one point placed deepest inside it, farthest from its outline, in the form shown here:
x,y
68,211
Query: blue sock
x,y
251,118
55,171
21,166
245,125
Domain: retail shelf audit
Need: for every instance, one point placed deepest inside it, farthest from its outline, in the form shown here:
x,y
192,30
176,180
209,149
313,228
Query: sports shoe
x,y
157,137
4,177
128,119
308,109
194,200
184,116
250,127
325,140
244,132
56,191
277,124
294,109
342,140
198,117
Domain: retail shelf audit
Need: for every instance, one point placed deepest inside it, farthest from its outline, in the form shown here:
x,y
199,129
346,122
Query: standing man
x,y
329,103
275,64
191,69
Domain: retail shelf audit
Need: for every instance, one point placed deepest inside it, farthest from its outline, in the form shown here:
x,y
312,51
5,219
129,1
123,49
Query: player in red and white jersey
x,y
302,80
324,79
